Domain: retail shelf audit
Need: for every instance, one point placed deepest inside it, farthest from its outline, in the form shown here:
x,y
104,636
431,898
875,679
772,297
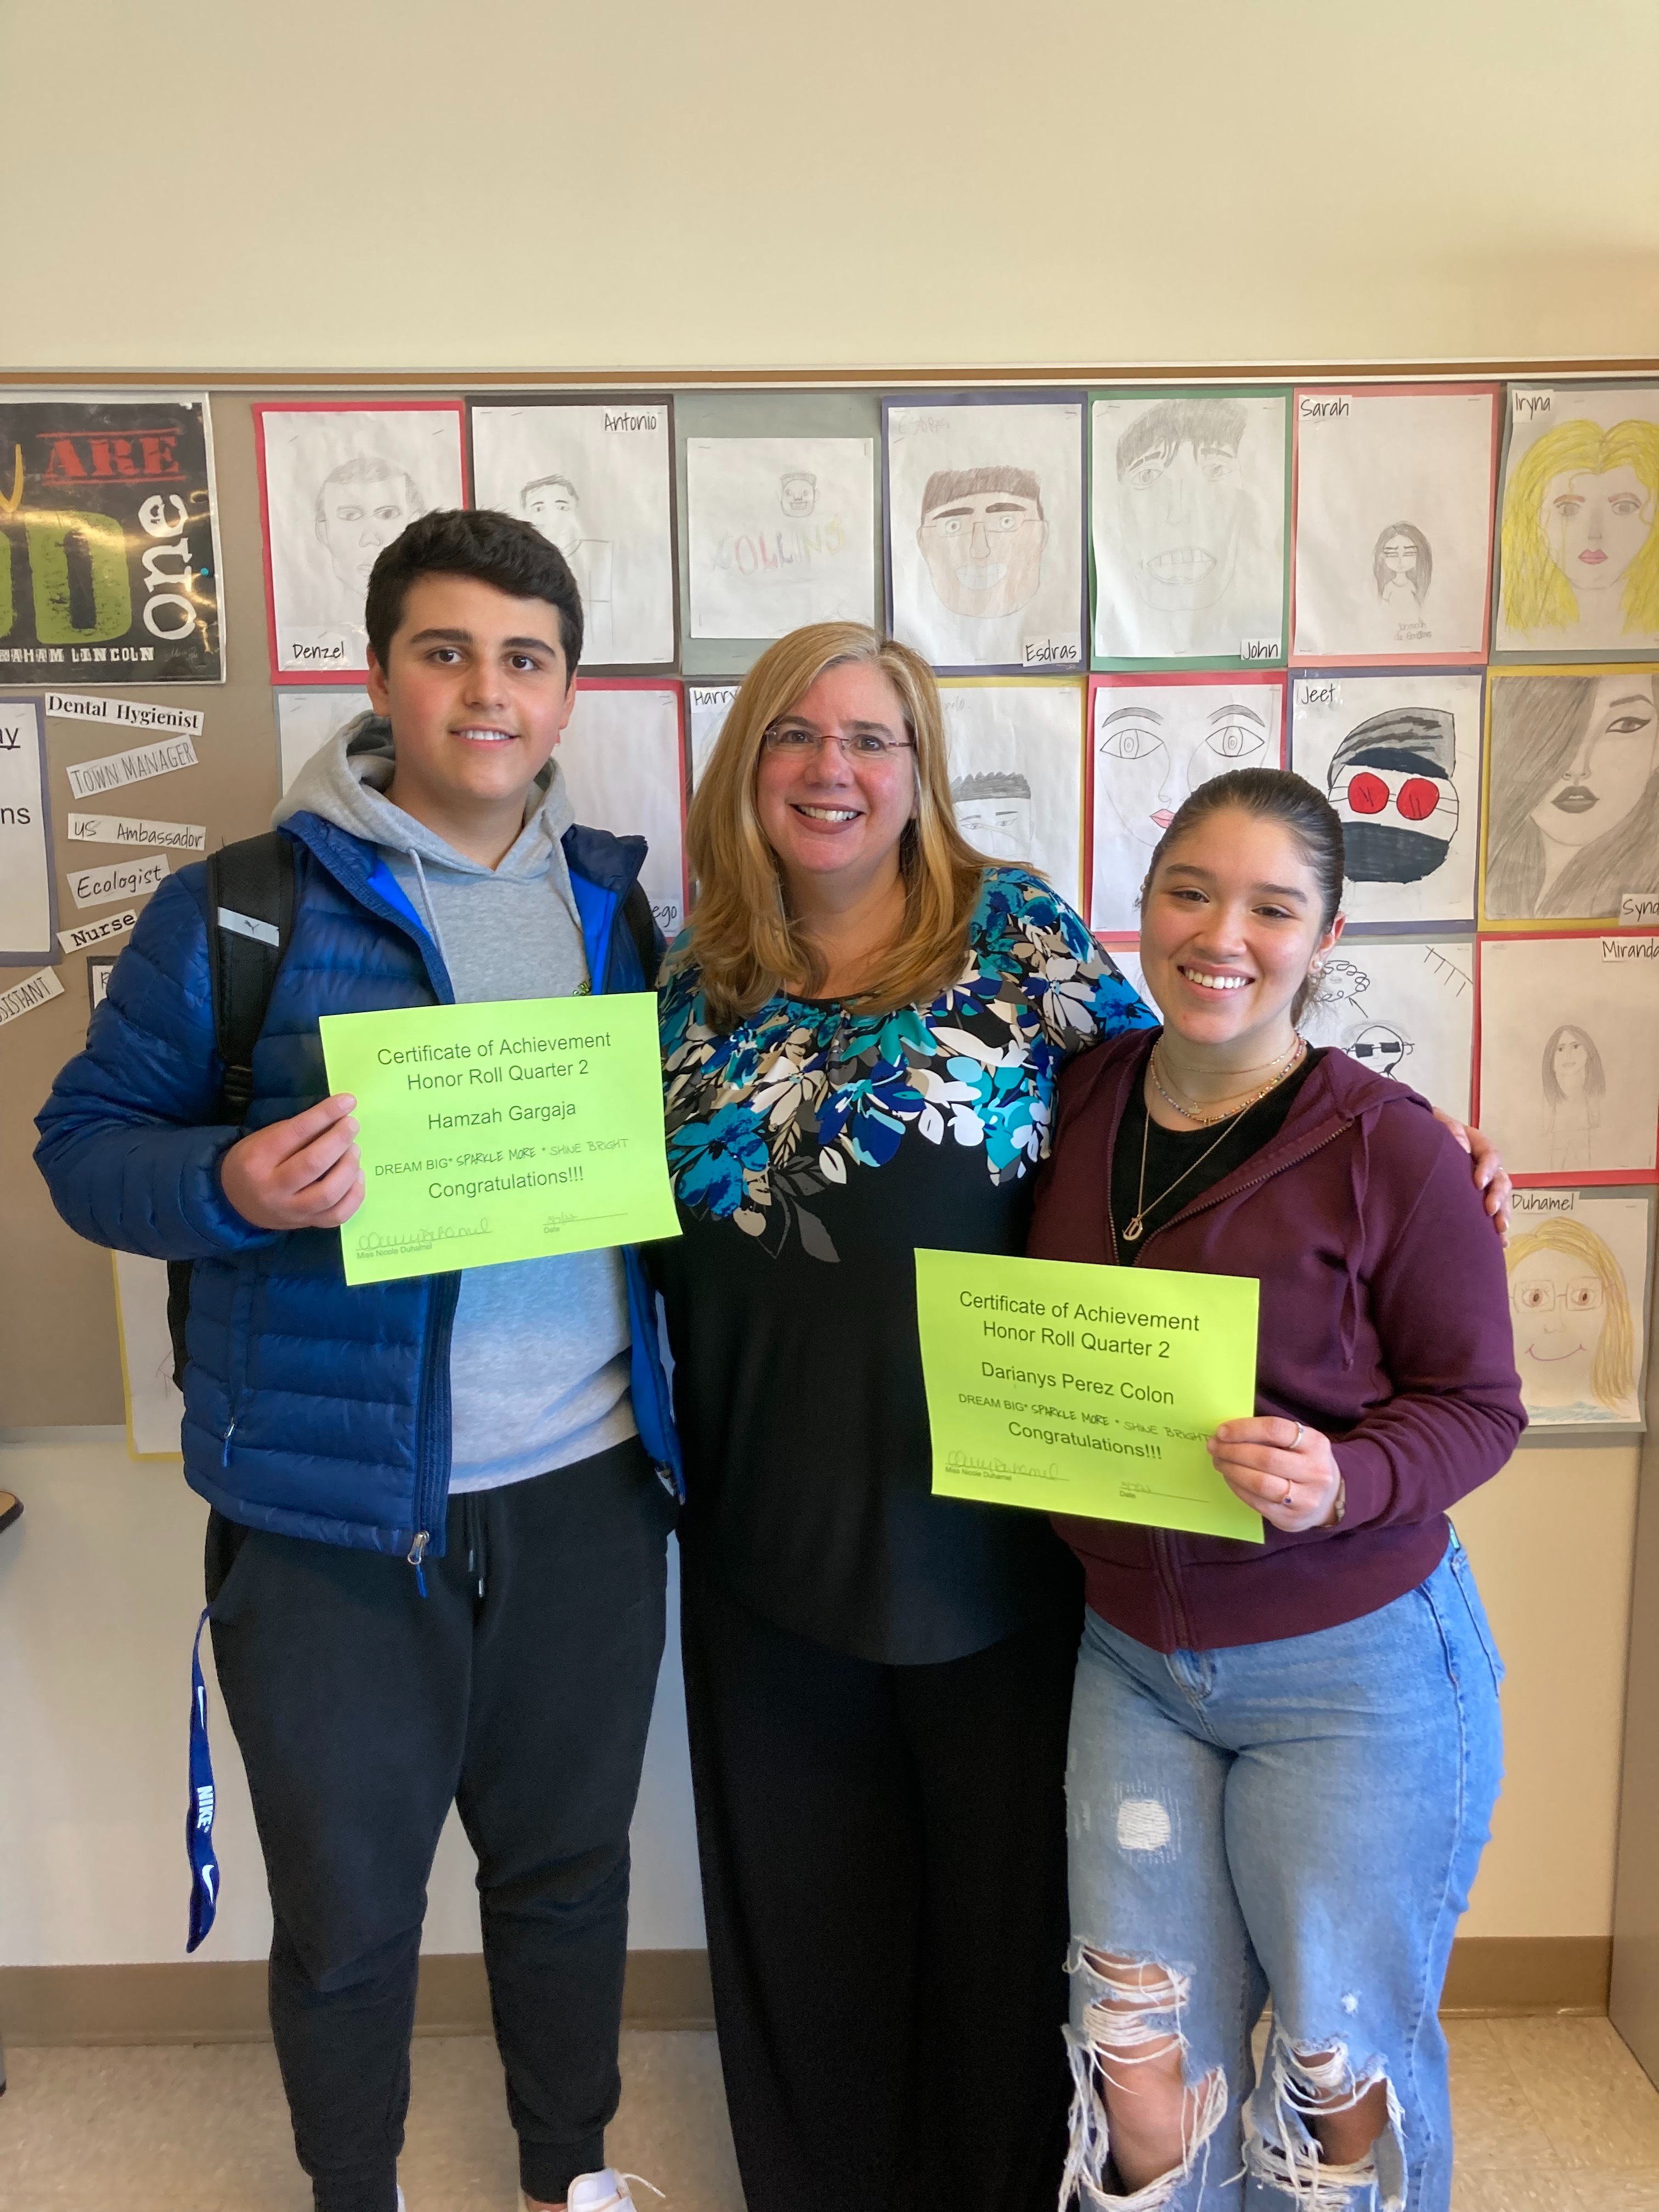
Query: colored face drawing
x,y
998,827
555,510
1610,768
358,518
1151,752
984,552
1182,509
1595,525
1560,1312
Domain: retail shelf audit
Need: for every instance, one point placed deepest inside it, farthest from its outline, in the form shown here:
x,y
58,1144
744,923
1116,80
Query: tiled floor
x,y
1553,2116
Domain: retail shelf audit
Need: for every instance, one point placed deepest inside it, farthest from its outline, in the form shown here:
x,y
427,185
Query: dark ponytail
x,y
1273,794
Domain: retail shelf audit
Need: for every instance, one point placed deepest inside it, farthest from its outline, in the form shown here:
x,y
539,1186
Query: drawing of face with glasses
x,y
983,534
1379,1048
1574,1337
1182,501
1157,746
1391,782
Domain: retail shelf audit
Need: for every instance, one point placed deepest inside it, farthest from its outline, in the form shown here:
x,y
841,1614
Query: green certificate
x,y
1086,1390
507,1131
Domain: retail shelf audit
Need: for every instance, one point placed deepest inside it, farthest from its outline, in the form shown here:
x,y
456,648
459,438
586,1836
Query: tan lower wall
x,y
223,2001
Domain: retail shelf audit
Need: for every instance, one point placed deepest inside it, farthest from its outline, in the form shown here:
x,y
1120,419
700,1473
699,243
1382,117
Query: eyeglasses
x,y
795,742
1582,1295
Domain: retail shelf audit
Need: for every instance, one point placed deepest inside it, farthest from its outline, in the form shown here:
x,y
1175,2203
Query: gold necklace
x,y
1135,1228
1207,1121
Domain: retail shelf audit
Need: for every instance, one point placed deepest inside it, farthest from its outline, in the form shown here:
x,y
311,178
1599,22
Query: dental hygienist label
x,y
512,1130
1086,1390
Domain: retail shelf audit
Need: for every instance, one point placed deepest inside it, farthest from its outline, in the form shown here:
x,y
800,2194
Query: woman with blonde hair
x,y
1574,1332
862,1030
1580,557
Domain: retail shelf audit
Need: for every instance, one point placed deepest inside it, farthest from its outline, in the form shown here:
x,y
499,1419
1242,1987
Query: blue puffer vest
x,y
311,1408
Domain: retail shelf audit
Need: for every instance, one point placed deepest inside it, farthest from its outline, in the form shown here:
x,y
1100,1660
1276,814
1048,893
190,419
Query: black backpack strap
x,y
642,928
250,919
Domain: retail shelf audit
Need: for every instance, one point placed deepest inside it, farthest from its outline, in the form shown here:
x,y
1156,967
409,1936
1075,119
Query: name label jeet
x,y
1086,1390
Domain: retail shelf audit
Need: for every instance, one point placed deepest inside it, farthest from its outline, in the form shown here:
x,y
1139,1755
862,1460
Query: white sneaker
x,y
604,2191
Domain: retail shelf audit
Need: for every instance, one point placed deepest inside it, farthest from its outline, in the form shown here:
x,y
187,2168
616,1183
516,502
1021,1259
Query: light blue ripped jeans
x,y
1300,1819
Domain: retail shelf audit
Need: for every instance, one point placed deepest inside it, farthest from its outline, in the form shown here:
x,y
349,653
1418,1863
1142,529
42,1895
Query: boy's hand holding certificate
x,y
507,1131
1087,1390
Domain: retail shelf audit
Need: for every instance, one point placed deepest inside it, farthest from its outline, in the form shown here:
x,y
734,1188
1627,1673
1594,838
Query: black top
x,y
1177,1169
812,1151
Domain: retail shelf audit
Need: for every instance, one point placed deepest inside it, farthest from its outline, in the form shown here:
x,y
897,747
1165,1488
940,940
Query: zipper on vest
x,y
417,1555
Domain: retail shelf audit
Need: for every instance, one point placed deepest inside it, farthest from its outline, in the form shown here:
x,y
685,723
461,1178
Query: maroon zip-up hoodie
x,y
1385,1323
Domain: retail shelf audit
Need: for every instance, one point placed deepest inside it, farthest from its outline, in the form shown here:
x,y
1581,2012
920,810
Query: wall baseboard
x,y
223,2000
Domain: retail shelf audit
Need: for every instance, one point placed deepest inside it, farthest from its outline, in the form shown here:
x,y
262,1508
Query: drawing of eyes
x,y
1567,505
1217,464
1130,742
1626,725
1626,502
1148,471
1236,741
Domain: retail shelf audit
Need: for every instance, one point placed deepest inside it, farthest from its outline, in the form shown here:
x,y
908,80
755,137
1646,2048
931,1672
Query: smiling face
x,y
1183,508
1559,1311
834,822
984,551
1570,1064
1157,749
477,693
1231,921
1595,525
354,520
1610,766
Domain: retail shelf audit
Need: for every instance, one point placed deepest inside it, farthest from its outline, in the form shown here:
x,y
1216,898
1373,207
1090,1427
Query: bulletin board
x,y
1436,596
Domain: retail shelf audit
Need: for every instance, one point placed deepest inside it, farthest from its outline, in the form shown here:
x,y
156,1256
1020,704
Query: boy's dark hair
x,y
497,549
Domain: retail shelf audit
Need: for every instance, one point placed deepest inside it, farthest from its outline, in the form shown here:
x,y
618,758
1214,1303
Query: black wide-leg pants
x,y
519,1688
883,1874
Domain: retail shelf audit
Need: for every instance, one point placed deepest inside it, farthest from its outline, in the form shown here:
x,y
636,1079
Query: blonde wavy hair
x,y
1536,595
1612,1374
743,936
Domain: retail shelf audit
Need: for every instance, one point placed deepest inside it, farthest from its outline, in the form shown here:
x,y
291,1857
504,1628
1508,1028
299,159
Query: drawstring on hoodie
x,y
1359,1175
431,911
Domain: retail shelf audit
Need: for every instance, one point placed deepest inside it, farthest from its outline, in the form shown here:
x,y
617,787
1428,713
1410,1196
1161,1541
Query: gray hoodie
x,y
538,1360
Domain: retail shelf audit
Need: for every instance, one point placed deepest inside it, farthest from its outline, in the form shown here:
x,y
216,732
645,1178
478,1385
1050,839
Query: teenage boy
x,y
436,1549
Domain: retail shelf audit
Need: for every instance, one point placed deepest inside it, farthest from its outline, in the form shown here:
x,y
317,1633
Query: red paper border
x,y
336,676
1141,680
1496,392
1576,1178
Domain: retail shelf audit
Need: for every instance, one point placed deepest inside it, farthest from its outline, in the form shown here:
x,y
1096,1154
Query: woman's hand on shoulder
x,y
1491,1176
1281,1469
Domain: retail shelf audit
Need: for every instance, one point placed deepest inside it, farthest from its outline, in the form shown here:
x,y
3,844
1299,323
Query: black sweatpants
x,y
519,1688
883,1872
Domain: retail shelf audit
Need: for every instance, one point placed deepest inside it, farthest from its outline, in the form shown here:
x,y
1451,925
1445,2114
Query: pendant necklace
x,y
1135,1228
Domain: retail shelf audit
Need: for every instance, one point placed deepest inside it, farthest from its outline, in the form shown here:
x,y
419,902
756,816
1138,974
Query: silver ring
x,y
1295,1444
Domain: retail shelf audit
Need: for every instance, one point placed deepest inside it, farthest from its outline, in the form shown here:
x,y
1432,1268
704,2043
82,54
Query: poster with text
x,y
109,540
624,763
1015,752
707,706
1153,739
780,532
1572,795
1399,757
596,479
1578,554
338,481
28,906
1189,497
306,720
1569,1058
1393,503
1578,1265
985,531
1402,1010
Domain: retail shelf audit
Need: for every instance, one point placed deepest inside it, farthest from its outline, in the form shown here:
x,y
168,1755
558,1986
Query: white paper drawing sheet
x,y
1399,757
779,531
1151,742
707,706
1578,554
985,533
339,486
306,720
1570,1053
596,480
1015,752
620,755
26,863
155,1407
1579,1294
1188,501
1393,524
1572,804
1403,1010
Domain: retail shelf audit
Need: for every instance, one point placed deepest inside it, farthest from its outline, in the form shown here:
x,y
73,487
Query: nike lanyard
x,y
198,1820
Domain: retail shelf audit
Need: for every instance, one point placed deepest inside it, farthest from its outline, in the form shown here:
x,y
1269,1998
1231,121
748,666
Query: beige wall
x,y
332,184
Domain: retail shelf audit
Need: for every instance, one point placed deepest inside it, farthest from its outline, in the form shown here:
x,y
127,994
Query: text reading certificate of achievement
x,y
1087,1390
507,1131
